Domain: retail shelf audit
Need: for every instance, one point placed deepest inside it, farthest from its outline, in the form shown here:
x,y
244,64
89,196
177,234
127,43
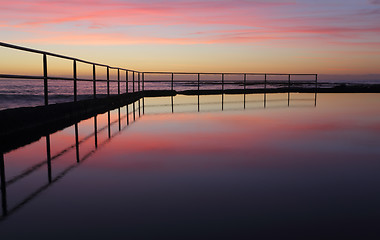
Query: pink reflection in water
x,y
273,168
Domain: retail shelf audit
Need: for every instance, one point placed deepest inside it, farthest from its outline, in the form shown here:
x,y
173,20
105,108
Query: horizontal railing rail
x,y
7,45
139,82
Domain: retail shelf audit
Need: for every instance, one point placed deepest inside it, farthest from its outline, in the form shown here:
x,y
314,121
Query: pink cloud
x,y
178,22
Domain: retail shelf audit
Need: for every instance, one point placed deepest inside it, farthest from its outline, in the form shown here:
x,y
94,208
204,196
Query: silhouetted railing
x,y
139,78
75,79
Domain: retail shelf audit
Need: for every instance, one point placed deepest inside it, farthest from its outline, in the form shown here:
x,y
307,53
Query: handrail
x,y
140,78
233,73
59,56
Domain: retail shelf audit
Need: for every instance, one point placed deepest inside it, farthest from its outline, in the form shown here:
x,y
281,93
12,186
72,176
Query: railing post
x,y
108,81
265,91
316,82
245,81
316,90
222,83
198,81
133,81
75,79
143,81
288,90
118,81
138,81
265,82
172,82
45,80
126,80
94,80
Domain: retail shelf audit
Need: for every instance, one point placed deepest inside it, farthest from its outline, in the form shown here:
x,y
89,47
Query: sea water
x,y
29,93
272,166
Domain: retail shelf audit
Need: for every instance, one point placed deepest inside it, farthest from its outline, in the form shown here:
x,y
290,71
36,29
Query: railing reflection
x,y
309,98
79,157
130,117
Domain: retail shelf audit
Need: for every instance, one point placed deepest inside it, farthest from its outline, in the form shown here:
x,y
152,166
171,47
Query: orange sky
x,y
325,37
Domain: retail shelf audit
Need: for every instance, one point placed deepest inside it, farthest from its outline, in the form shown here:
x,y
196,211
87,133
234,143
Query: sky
x,y
273,36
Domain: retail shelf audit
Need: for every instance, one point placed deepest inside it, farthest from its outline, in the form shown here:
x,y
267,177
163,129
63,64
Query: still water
x,y
189,167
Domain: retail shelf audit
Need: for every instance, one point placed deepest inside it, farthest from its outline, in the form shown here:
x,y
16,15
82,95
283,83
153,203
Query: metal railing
x,y
75,79
138,77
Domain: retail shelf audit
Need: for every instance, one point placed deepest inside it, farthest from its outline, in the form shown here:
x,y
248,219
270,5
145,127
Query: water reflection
x,y
219,102
80,157
277,171
125,117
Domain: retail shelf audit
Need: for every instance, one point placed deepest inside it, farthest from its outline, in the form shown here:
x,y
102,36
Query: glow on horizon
x,y
326,36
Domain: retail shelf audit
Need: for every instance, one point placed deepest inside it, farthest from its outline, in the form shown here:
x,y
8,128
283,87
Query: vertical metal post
x,y
96,130
265,82
3,186
265,91
222,83
133,80
138,81
45,80
198,82
75,80
118,81
316,90
143,81
77,142
222,91
108,81
289,90
94,80
172,82
126,81
245,81
48,157
316,82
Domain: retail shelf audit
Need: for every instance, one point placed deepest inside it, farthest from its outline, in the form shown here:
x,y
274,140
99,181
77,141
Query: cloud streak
x,y
181,22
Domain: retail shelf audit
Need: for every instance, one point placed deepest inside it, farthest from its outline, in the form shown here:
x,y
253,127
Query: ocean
x,y
16,93
185,167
